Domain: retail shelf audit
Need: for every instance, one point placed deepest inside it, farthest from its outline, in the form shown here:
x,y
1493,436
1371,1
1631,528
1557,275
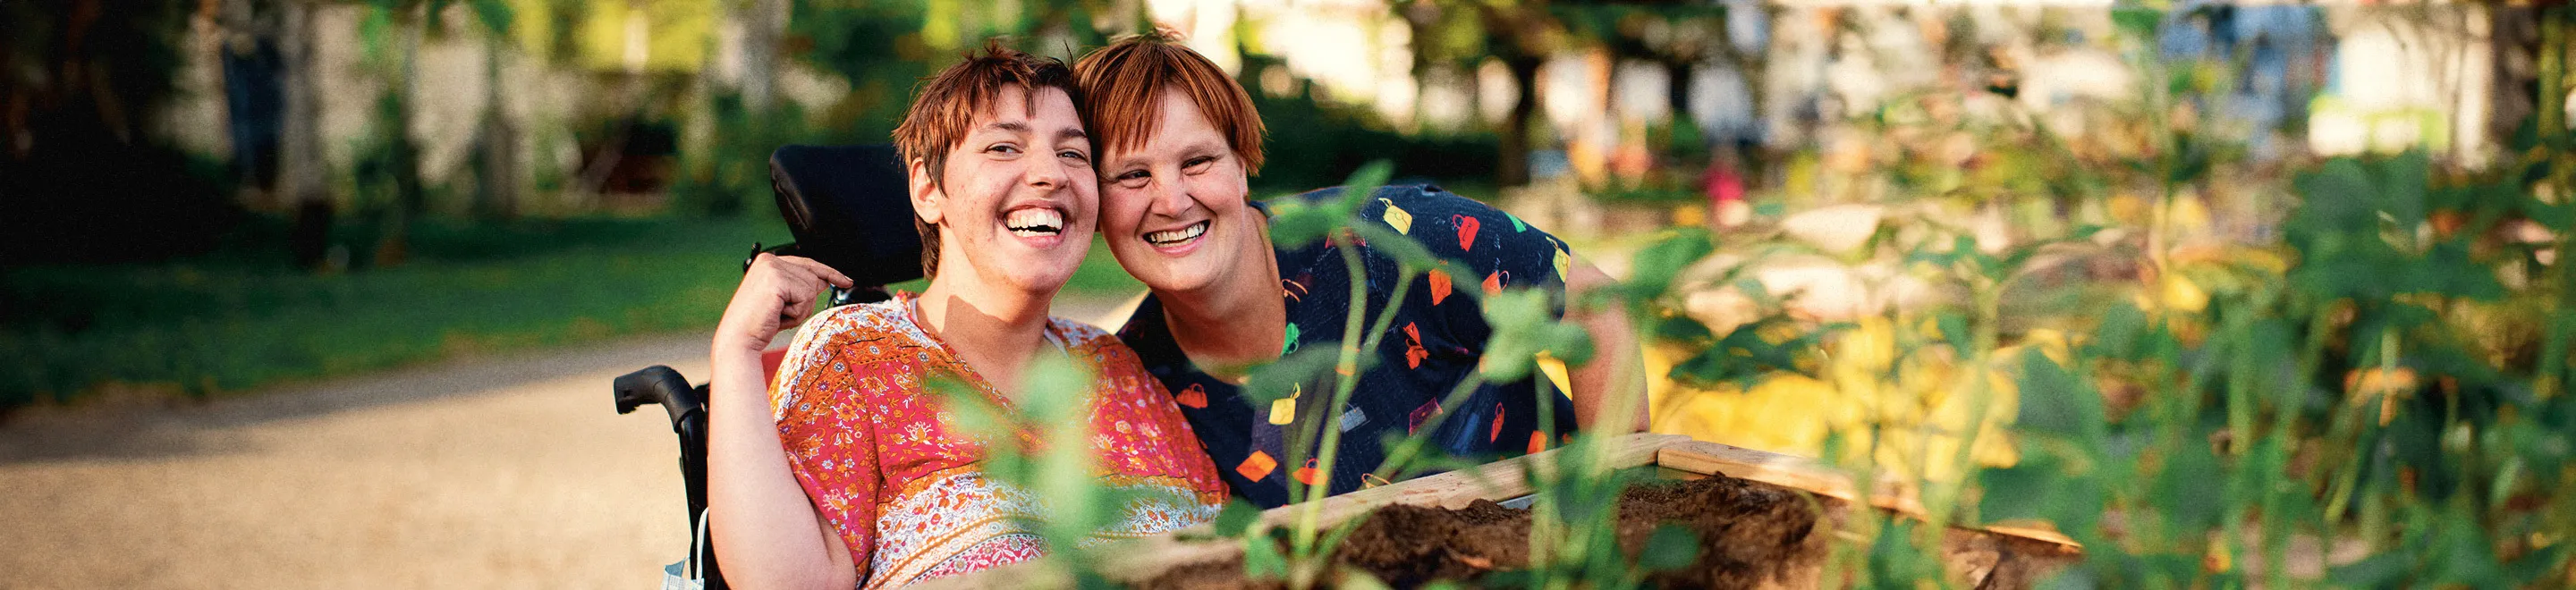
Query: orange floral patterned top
x,y
865,439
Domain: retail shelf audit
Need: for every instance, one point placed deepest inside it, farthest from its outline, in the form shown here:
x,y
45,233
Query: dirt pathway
x,y
511,472
507,473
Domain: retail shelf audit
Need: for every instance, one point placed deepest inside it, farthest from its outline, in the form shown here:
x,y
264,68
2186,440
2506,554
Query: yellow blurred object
x,y
2387,385
1555,371
2188,216
659,36
1921,401
2180,293
2128,209
1690,216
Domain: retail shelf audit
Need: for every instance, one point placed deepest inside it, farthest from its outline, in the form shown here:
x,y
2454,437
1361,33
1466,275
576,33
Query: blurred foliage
x,y
2368,393
84,93
239,319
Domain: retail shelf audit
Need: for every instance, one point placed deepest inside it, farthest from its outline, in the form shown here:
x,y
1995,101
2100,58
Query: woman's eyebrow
x,y
1071,133
1134,158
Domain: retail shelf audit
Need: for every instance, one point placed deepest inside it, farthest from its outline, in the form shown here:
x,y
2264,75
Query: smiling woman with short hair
x,y
844,474
1178,139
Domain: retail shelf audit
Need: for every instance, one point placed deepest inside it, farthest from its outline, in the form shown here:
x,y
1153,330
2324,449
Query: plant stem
x,y
1346,369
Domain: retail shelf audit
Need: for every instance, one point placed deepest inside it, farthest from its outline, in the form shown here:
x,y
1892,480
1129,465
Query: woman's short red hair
x,y
1122,95
945,108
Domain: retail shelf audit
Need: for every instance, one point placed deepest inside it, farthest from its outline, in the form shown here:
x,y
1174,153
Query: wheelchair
x,y
845,207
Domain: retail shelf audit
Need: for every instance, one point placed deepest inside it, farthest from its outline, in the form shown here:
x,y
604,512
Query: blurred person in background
x,y
844,475
1179,140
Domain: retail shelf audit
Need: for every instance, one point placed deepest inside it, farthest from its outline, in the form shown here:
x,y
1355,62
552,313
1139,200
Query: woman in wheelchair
x,y
843,475
1177,138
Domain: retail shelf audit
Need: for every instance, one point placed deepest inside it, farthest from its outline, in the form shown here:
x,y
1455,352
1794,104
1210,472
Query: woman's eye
x,y
1074,155
1003,148
1131,175
1198,162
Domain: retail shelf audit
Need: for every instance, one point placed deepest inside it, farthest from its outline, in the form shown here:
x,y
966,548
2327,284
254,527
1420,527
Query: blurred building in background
x,y
594,102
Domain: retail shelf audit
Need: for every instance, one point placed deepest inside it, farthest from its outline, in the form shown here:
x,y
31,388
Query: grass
x,y
241,319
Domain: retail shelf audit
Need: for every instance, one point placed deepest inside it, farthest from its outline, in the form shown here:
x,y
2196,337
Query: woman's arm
x,y
1616,369
765,530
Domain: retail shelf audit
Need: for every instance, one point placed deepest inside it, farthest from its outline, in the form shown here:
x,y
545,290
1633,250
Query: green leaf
x,y
1290,374
1262,560
2054,401
2019,491
2118,334
2402,182
1954,329
1670,548
1237,517
2336,197
1406,252
1682,329
1524,325
2188,487
1058,391
495,16
1654,268
2376,571
1295,223
968,409
1365,180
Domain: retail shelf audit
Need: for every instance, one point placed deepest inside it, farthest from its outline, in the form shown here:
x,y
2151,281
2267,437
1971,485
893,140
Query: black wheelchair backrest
x,y
849,209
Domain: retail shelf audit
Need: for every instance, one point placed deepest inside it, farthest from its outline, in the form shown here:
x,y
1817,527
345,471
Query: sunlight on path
x,y
492,472
467,475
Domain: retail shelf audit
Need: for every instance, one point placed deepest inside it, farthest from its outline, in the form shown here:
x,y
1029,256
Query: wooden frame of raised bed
x,y
1979,557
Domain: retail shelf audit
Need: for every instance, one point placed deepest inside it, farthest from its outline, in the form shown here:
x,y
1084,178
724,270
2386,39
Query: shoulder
x,y
1115,361
1089,341
838,344
856,322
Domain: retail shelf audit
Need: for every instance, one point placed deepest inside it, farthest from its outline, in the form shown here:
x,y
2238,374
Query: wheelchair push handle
x,y
661,385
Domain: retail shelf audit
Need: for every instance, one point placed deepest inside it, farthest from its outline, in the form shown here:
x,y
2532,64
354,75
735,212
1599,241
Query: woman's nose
x,y
1048,175
1170,198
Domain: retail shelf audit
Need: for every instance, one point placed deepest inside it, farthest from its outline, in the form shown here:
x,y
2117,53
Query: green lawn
x,y
242,320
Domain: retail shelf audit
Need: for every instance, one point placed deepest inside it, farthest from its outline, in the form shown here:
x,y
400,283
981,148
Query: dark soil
x,y
1749,533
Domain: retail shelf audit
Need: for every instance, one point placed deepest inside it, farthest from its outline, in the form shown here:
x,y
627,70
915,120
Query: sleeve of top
x,y
823,423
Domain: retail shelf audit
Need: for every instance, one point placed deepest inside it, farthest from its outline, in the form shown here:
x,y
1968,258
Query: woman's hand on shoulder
x,y
777,292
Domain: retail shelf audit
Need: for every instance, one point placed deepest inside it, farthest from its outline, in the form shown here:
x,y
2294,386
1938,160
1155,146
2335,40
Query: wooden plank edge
x,y
1812,476
1140,559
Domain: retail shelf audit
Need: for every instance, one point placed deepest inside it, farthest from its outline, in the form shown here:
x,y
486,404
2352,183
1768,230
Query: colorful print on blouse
x,y
865,439
1434,343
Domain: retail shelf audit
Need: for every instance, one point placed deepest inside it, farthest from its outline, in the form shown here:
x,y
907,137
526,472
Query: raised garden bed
x,y
1764,520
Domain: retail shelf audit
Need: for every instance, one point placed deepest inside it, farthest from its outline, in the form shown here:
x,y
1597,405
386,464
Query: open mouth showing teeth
x,y
1175,236
1035,222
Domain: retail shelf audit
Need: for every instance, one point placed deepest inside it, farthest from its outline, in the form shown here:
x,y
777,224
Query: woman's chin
x,y
1042,280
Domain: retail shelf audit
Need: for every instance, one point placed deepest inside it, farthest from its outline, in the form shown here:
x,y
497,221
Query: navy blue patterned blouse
x,y
1433,344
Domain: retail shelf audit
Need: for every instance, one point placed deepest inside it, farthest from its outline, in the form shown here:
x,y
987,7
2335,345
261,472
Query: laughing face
x,y
1019,199
1174,209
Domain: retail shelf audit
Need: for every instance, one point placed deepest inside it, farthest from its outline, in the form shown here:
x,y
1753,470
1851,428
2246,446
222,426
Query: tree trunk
x,y
1514,169
1677,71
300,165
404,155
495,145
761,24
253,97
299,144
1753,154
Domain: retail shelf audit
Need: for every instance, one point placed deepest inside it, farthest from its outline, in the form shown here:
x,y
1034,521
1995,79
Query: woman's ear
x,y
925,193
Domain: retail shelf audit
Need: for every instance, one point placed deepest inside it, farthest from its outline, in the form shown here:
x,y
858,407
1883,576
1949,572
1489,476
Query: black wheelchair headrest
x,y
848,208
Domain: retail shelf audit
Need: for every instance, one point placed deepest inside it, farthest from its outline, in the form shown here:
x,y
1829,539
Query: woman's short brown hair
x,y
1122,86
944,110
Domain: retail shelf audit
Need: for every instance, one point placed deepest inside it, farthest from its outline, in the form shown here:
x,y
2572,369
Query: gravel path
x,y
497,472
